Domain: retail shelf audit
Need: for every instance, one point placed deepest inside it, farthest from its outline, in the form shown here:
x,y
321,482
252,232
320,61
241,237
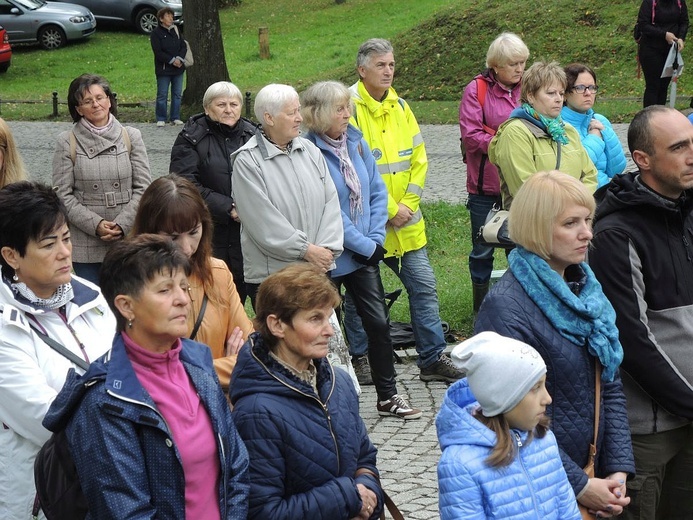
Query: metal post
x,y
55,103
247,104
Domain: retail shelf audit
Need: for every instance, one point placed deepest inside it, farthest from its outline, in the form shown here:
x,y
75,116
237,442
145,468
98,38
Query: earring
x,y
15,278
130,323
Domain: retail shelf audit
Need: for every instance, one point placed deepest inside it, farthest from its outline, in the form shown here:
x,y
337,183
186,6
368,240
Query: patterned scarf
x,y
586,318
351,178
98,130
554,127
61,296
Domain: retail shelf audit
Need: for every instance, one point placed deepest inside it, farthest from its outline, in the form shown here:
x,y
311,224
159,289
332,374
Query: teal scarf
x,y
587,318
554,127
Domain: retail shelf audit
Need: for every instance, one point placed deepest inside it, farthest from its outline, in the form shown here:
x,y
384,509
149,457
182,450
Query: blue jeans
x,y
162,85
415,272
481,257
87,271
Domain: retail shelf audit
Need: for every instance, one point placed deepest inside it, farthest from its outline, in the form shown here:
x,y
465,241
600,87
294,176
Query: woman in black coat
x,y
202,154
169,49
660,23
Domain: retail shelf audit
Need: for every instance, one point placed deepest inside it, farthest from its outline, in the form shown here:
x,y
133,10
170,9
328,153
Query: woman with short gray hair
x,y
284,194
202,153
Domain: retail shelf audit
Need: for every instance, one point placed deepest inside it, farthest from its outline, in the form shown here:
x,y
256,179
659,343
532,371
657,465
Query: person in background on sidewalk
x,y
362,194
11,165
499,86
100,171
550,299
596,133
310,455
392,132
660,24
641,254
202,154
500,460
169,49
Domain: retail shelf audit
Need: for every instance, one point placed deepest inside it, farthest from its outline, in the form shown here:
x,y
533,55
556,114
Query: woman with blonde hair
x,y
535,138
11,165
172,206
550,299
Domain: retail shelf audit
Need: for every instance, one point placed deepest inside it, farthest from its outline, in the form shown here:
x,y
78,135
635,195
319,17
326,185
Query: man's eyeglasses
x,y
580,89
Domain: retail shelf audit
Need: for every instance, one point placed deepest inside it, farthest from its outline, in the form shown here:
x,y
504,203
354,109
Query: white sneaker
x,y
178,122
161,123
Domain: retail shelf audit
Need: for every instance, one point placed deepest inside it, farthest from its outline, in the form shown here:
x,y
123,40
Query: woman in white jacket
x,y
40,301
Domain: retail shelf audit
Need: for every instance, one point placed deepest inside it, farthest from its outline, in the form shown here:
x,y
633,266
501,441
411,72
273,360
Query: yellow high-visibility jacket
x,y
392,132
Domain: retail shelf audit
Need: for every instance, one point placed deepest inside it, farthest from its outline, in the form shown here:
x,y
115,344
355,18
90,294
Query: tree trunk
x,y
202,30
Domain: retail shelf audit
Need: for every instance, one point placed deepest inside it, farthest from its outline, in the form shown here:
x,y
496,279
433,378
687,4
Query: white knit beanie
x,y
500,370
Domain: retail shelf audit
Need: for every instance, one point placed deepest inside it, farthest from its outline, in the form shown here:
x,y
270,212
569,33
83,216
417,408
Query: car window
x,y
30,4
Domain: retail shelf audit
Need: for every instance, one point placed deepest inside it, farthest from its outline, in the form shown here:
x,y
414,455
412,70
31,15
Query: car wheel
x,y
146,21
4,66
51,37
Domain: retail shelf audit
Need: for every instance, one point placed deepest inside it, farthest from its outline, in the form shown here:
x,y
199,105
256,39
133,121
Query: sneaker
x,y
398,407
178,122
362,368
161,123
442,370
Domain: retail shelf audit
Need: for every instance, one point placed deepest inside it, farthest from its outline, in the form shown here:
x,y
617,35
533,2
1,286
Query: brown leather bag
x,y
589,469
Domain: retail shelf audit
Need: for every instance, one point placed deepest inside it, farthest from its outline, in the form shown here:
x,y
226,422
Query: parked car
x,y
51,24
5,50
141,14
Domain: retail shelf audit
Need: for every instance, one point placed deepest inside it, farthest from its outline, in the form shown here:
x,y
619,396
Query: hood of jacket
x,y
257,372
627,191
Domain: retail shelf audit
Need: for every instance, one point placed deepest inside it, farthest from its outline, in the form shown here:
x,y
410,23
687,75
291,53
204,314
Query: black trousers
x,y
652,59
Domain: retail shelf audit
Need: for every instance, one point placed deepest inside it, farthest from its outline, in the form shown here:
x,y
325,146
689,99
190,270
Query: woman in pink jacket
x,y
486,103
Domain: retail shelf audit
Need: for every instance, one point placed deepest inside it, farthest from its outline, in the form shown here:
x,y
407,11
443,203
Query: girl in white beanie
x,y
499,459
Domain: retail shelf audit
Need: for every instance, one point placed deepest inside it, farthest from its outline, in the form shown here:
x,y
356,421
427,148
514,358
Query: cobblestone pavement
x,y
408,450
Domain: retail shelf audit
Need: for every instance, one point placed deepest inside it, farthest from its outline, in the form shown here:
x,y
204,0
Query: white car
x,y
51,24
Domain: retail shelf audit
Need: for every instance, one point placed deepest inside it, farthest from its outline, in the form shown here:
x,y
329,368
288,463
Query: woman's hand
x,y
369,501
109,231
319,256
670,37
595,128
680,43
606,497
235,342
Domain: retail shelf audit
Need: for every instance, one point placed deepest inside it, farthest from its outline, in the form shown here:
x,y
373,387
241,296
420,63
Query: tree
x,y
203,33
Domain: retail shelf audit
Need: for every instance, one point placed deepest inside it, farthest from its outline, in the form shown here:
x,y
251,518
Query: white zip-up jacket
x,y
32,374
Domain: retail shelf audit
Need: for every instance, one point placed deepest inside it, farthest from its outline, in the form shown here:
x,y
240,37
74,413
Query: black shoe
x,y
363,370
442,370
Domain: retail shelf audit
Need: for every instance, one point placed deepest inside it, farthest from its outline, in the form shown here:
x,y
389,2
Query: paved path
x,y
446,177
408,451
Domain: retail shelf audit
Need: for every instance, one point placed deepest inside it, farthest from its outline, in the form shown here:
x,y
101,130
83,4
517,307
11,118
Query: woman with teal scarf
x,y
550,299
535,138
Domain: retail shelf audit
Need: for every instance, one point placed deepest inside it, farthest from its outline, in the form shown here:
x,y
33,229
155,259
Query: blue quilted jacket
x,y
127,462
606,153
509,311
533,487
304,448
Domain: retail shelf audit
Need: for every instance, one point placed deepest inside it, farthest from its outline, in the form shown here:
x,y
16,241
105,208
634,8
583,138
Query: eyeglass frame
x,y
93,101
581,89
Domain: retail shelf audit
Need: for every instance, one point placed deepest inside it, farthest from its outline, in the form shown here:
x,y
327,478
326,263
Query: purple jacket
x,y
482,176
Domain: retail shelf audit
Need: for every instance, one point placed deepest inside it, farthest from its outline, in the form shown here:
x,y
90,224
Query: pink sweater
x,y
164,377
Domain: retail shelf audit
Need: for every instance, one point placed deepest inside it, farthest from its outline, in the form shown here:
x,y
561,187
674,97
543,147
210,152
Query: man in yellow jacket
x,y
392,132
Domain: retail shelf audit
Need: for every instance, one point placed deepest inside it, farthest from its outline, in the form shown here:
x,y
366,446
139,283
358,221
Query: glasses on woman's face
x,y
98,100
581,89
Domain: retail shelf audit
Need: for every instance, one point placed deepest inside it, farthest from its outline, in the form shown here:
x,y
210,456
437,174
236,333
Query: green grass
x,y
440,45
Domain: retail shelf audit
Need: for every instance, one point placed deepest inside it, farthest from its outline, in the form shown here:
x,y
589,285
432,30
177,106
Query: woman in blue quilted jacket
x,y
500,460
550,299
596,133
310,455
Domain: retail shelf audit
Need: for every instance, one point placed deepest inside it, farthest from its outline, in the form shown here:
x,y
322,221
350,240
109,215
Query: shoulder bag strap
x,y
61,349
558,156
198,321
597,396
389,503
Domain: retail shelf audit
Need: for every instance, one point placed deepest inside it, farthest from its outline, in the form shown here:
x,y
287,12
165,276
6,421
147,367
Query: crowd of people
x,y
124,325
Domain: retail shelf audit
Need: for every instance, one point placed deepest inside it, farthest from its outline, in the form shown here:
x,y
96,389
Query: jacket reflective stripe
x,y
415,189
394,167
417,139
416,217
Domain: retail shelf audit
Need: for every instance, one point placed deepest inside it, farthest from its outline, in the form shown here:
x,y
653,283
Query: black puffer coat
x,y
201,154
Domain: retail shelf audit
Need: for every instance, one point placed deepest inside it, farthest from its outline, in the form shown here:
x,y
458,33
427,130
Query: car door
x,y
19,25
